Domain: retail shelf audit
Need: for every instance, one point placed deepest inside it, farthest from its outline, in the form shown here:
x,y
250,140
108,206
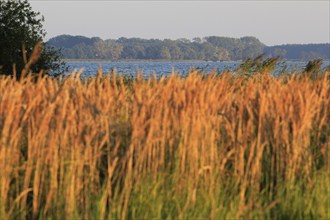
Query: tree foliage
x,y
20,30
208,48
305,52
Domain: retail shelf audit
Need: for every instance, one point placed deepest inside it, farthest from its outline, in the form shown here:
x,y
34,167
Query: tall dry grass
x,y
202,146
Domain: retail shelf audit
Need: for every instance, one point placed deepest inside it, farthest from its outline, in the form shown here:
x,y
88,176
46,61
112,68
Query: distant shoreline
x,y
163,61
143,61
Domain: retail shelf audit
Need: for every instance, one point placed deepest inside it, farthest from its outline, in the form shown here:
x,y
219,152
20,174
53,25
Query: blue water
x,y
165,68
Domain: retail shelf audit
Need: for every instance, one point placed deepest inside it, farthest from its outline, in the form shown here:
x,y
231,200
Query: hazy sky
x,y
273,22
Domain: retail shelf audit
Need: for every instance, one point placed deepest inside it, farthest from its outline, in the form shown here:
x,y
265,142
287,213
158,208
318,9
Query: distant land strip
x,y
212,48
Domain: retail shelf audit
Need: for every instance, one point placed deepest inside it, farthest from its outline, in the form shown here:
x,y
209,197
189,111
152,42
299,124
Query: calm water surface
x,y
165,68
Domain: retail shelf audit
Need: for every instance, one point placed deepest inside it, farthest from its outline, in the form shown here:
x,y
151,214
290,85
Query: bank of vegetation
x,y
216,146
212,48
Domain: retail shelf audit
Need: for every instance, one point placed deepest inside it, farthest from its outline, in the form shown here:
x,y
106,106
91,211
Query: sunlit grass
x,y
216,146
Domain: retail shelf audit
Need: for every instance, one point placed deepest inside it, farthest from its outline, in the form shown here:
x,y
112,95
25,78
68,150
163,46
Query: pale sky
x,y
272,22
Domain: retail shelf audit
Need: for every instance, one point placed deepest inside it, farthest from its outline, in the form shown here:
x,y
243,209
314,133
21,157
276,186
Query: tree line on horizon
x,y
212,48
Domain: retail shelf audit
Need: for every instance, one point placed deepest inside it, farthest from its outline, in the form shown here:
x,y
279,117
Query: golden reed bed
x,y
196,147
